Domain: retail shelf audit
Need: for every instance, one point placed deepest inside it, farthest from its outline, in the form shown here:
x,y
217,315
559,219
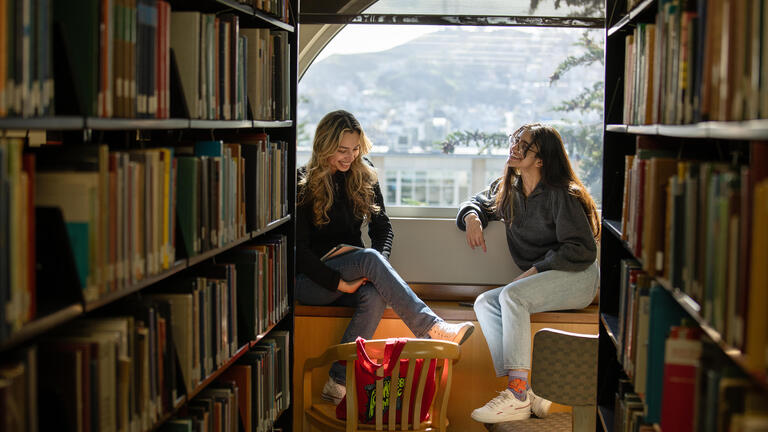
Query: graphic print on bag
x,y
370,391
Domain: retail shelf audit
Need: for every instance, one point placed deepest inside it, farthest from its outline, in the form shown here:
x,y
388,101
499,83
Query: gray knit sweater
x,y
549,228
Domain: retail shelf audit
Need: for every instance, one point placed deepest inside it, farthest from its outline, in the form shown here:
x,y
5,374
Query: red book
x,y
681,361
241,375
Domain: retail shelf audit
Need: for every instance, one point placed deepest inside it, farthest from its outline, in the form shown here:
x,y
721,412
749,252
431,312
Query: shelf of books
x,y
684,281
146,270
64,123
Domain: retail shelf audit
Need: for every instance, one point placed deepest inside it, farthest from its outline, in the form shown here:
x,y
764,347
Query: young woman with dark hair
x,y
552,225
337,192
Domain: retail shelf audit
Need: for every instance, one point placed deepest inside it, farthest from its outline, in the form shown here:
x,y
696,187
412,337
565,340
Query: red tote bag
x,y
365,375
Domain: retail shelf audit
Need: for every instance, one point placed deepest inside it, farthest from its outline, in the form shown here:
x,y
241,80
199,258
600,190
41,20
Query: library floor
x,y
555,422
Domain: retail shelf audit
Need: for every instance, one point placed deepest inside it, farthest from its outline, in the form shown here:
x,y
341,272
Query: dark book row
x,y
136,361
139,59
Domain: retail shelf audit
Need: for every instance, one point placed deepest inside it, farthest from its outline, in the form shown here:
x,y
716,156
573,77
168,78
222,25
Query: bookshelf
x,y
128,276
683,164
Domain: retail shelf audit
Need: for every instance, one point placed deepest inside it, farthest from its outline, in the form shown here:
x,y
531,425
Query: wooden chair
x,y
322,415
564,370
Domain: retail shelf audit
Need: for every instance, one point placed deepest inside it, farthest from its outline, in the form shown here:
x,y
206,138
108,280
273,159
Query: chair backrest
x,y
445,355
564,367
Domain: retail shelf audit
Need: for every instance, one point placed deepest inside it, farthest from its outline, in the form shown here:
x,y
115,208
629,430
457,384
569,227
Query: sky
x,y
354,39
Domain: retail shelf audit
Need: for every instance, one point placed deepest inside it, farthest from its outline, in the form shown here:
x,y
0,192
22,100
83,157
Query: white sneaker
x,y
539,405
502,408
457,333
333,391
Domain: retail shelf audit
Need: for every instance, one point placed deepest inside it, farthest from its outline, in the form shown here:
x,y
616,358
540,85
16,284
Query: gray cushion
x,y
564,367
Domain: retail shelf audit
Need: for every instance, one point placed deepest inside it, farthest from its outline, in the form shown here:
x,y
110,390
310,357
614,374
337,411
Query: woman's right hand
x,y
351,286
475,237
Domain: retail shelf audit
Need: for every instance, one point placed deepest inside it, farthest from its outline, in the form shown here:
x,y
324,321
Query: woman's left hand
x,y
530,272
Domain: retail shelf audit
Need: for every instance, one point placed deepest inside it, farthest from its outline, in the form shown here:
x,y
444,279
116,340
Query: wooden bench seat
x,y
452,311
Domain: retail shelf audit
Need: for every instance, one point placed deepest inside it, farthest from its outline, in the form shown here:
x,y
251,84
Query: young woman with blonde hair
x,y
337,191
552,225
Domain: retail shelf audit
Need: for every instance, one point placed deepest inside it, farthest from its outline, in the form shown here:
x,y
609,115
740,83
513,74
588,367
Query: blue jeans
x,y
385,287
504,313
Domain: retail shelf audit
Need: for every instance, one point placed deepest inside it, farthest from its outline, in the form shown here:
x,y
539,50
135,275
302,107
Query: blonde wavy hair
x,y
556,171
317,185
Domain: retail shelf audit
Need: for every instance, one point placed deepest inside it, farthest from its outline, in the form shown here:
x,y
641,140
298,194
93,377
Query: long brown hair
x,y
317,185
556,171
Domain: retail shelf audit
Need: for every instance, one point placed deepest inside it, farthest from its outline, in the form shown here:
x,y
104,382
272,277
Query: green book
x,y
80,33
187,203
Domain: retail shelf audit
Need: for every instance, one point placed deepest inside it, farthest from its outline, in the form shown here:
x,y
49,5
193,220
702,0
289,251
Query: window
x,y
438,102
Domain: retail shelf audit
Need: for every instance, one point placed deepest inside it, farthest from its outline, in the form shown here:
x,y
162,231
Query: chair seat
x,y
556,422
324,415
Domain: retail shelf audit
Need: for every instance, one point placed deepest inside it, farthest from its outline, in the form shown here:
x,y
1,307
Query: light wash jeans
x,y
370,300
504,313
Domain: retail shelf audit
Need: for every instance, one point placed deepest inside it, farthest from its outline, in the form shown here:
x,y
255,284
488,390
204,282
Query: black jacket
x,y
312,242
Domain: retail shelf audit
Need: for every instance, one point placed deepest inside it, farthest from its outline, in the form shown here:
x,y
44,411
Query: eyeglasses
x,y
517,141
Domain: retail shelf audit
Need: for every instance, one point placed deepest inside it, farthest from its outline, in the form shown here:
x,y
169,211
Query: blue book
x,y
665,313
209,148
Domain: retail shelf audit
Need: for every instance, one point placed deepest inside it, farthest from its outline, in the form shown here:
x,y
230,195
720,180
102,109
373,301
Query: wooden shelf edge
x,y
41,325
610,323
272,123
266,332
606,417
273,21
616,128
197,259
637,10
180,402
728,130
150,280
643,129
103,123
248,10
43,123
220,124
692,308
614,227
215,374
270,226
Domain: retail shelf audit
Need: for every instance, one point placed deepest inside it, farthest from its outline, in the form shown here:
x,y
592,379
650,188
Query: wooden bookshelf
x,y
693,309
72,126
709,133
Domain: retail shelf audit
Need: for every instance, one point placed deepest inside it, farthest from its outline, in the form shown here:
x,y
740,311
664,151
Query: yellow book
x,y
757,320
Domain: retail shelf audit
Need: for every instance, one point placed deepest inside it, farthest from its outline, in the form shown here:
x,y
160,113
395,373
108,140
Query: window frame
x,y
325,26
